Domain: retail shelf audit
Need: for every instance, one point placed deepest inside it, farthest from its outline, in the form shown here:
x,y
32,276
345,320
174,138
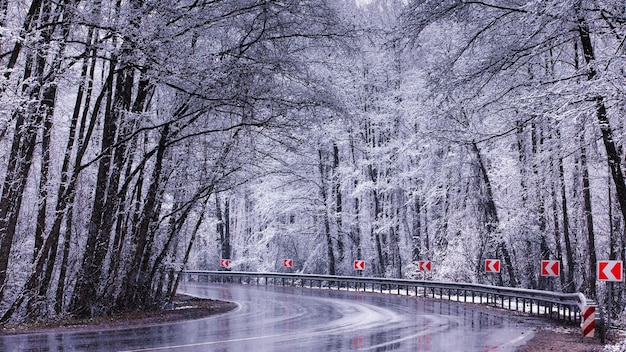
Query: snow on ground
x,y
619,346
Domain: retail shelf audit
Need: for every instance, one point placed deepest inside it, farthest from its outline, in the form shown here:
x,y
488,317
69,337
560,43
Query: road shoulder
x,y
183,308
559,338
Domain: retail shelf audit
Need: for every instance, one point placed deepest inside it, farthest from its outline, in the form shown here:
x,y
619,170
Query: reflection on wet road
x,y
297,319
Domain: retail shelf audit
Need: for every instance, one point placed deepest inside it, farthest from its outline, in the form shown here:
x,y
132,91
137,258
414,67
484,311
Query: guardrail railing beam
x,y
568,305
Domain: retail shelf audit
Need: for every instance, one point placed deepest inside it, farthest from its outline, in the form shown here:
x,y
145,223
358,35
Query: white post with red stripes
x,y
588,323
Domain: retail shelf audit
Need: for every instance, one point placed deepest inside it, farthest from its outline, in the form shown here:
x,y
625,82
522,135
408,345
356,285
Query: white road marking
x,y
207,343
515,340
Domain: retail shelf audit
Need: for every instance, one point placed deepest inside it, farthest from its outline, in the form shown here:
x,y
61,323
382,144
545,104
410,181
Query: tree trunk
x,y
492,219
176,224
223,227
27,123
135,290
338,203
557,231
65,203
42,204
569,254
529,270
603,121
189,247
329,240
86,294
60,291
356,228
591,244
416,252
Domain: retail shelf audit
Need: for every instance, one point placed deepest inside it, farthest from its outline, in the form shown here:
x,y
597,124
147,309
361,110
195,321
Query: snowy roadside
x,y
569,339
619,345
183,308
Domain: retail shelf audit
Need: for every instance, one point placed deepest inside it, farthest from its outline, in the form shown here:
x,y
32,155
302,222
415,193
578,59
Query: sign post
x,y
610,271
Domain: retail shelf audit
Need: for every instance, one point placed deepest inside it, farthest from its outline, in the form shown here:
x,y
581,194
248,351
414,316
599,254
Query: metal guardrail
x,y
555,305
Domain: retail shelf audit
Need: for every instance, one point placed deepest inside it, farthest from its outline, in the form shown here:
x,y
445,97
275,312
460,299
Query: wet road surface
x,y
273,318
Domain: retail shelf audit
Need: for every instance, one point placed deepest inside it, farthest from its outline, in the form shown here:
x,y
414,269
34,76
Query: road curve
x,y
291,319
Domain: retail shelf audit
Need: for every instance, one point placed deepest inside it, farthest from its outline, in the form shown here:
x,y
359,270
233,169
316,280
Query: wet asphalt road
x,y
297,319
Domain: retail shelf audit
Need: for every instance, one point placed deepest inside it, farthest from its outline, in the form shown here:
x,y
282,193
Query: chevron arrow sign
x,y
550,267
492,265
359,265
610,270
425,265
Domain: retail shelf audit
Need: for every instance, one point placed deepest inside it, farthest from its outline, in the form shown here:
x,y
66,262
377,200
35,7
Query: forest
x,y
139,138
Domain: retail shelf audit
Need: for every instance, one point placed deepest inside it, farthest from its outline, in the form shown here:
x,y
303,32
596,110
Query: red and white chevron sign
x,y
224,263
492,265
288,263
425,265
610,270
359,265
550,267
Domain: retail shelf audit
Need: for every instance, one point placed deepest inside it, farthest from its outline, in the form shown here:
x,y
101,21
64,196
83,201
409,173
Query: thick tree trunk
x,y
355,232
330,252
49,97
394,235
559,197
136,288
129,213
569,254
20,161
557,231
63,270
28,118
492,221
528,271
416,238
603,121
375,230
65,201
86,293
194,233
338,203
355,229
175,226
31,16
42,204
543,282
223,226
591,244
